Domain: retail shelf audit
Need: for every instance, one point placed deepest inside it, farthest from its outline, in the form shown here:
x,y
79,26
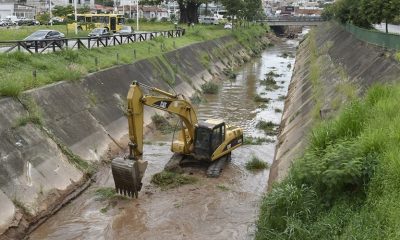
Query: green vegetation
x,y
268,127
162,124
272,74
270,83
363,13
256,164
167,180
229,73
17,69
223,187
397,56
34,113
256,140
346,184
105,193
258,98
210,88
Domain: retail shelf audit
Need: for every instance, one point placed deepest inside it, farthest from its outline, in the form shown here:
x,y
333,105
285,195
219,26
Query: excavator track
x,y
215,168
179,161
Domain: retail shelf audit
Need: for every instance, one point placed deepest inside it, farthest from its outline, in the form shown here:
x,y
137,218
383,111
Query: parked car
x,y
208,20
28,22
99,32
6,23
228,26
125,30
43,35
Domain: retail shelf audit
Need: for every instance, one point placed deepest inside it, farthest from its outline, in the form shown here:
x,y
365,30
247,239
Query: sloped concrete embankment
x,y
331,67
50,134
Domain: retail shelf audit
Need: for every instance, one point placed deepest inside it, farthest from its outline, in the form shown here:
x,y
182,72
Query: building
x,y
18,10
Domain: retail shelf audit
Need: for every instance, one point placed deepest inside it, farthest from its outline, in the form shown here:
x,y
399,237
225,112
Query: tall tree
x,y
252,9
234,8
188,9
378,11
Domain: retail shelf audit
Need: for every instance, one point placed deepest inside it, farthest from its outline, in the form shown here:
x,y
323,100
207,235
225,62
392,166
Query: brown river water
x,y
222,208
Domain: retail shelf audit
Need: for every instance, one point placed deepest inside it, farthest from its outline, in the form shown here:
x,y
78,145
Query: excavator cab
x,y
208,137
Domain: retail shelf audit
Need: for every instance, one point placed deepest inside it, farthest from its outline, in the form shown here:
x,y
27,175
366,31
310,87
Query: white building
x,y
18,10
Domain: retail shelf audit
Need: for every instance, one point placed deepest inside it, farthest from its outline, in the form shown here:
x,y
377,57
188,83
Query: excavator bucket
x,y
128,175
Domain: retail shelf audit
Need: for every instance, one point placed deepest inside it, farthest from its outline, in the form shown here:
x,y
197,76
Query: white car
x,y
228,26
125,30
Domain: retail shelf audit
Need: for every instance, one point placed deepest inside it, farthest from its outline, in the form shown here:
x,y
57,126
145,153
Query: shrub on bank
x,y
346,183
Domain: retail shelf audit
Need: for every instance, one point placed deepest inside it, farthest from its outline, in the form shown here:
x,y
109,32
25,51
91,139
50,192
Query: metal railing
x,y
387,40
294,19
53,45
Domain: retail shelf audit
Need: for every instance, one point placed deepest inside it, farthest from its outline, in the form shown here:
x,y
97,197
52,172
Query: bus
x,y
88,21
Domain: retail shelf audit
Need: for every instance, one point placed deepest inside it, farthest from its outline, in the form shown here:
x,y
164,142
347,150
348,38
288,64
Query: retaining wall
x,y
344,62
84,119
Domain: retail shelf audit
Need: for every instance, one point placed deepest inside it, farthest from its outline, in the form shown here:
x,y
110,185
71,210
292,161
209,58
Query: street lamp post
x,y
76,17
137,15
130,9
51,15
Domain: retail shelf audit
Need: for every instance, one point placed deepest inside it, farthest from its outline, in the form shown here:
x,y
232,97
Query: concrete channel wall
x,y
345,65
84,119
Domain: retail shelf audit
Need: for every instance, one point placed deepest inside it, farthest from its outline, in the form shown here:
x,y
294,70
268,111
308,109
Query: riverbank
x,y
53,137
336,172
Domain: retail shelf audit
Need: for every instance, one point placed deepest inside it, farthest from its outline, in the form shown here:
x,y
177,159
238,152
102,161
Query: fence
x,y
43,46
391,41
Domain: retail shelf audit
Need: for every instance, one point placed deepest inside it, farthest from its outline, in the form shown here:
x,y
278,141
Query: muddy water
x,y
223,208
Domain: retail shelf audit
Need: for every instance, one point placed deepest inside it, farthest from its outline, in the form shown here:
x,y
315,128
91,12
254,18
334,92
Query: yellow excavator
x,y
209,142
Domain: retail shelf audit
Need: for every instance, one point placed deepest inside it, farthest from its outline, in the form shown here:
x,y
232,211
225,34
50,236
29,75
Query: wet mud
x,y
222,208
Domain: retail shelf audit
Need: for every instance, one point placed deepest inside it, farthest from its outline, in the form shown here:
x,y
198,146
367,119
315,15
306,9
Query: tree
x,y
378,11
188,9
350,11
61,11
234,8
252,9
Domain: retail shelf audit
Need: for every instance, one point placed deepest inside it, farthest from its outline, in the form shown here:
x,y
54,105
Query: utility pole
x,y
137,15
130,9
76,17
51,14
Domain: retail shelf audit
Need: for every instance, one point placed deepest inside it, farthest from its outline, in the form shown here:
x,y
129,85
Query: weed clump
x,y
272,74
162,124
270,83
168,180
229,73
268,127
258,98
256,164
256,140
210,88
105,193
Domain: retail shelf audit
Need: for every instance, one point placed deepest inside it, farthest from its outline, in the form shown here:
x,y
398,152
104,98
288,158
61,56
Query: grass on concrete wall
x,y
347,183
17,69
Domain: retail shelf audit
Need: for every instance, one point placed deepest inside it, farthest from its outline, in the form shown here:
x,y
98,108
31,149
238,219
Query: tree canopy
x,y
364,13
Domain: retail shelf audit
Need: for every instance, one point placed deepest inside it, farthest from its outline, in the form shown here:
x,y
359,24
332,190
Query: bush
x,y
258,98
268,127
162,124
167,180
256,164
210,88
